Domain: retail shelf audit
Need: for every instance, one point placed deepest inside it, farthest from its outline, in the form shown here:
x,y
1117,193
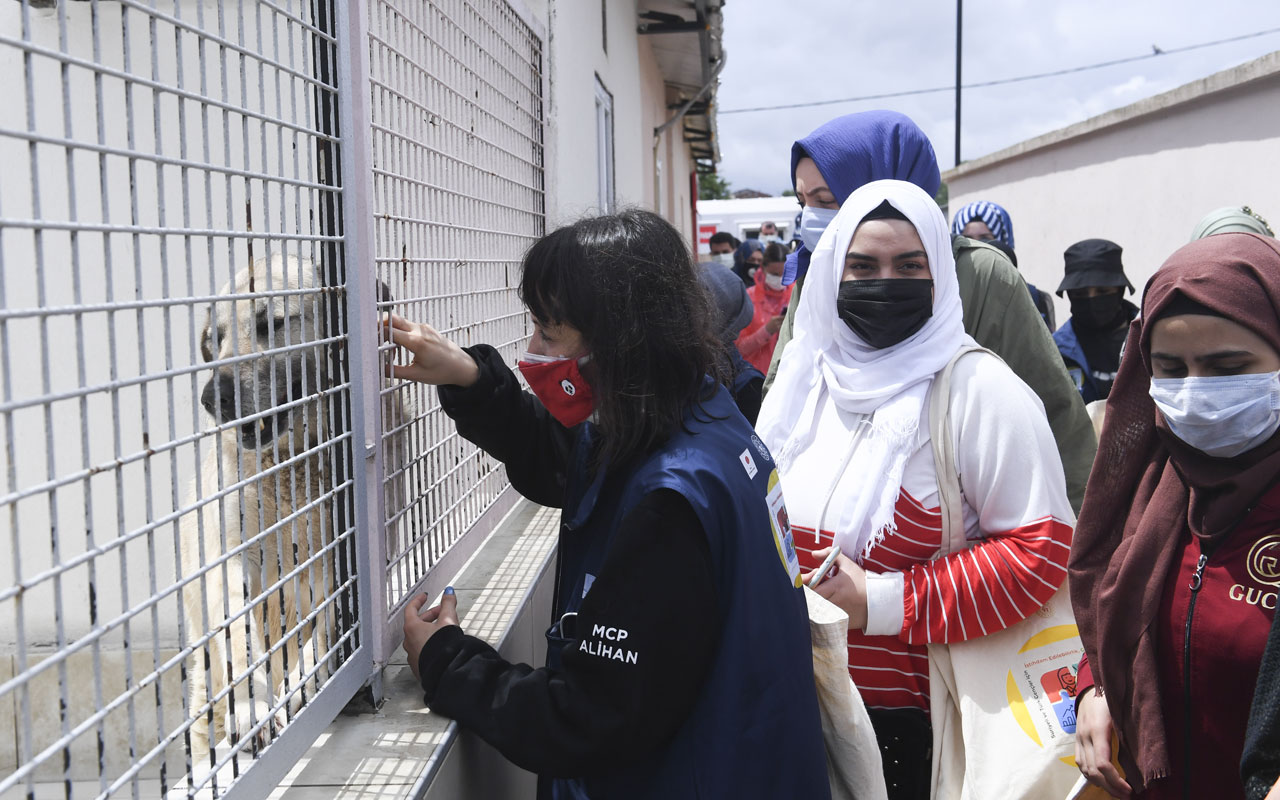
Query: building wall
x,y
1142,182
630,72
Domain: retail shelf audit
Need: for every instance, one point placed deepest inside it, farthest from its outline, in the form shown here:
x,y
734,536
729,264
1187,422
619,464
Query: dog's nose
x,y
219,397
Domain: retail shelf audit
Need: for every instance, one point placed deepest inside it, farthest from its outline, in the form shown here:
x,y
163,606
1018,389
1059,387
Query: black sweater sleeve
x,y
513,426
749,398
1260,765
648,629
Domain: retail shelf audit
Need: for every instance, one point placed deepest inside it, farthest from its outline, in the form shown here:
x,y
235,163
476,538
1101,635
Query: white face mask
x,y
813,221
772,281
1220,416
723,258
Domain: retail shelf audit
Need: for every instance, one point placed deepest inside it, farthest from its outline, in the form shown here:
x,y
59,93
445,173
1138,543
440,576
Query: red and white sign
x,y
705,232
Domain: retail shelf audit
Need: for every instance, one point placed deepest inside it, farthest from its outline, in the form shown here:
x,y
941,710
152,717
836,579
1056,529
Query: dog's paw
x,y
246,722
296,699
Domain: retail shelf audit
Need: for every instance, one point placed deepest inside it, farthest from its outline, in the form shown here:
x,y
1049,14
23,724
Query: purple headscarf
x,y
856,149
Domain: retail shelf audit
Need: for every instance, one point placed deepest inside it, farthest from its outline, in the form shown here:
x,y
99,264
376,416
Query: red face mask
x,y
560,386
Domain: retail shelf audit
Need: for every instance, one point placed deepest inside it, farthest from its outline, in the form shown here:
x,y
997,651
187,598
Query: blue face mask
x,y
813,221
1221,416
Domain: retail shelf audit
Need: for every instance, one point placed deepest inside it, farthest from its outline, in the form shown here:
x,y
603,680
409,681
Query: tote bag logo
x,y
1042,698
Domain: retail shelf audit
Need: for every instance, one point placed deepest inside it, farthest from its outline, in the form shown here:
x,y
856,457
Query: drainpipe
x,y
679,115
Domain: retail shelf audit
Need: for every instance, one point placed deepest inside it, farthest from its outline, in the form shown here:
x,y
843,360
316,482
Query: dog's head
x,y
262,340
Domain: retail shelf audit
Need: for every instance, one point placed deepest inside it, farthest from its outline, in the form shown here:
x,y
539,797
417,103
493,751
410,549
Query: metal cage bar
x,y
213,508
457,196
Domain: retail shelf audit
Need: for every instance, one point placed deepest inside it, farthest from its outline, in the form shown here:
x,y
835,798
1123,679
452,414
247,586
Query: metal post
x,y
357,181
959,31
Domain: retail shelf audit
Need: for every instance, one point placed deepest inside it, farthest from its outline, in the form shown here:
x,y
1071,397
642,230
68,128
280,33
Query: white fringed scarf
x,y
889,385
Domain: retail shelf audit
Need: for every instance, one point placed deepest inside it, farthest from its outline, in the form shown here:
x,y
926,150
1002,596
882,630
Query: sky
x,y
807,50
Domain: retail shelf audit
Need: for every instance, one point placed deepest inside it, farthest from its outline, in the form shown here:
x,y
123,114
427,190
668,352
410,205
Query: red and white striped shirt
x,y
1016,517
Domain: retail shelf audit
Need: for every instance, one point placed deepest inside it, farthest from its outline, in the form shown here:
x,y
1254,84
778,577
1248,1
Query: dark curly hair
x,y
774,252
627,283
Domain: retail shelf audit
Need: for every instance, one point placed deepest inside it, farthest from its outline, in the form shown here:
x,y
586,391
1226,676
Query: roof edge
x,y
1226,80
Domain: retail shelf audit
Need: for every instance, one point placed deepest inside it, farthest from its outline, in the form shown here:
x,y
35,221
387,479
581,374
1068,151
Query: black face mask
x,y
1096,313
885,311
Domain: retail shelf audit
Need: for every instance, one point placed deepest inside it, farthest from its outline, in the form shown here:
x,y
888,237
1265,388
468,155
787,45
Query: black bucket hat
x,y
1093,262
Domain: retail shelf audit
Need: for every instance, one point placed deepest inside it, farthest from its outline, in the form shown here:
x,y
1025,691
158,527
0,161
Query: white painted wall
x,y
1143,183
90,268
630,72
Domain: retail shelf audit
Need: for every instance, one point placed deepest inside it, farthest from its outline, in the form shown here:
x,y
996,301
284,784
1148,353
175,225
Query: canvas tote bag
x,y
1002,705
853,757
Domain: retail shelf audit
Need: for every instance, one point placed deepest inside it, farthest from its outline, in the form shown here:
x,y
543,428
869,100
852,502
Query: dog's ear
x,y
205,352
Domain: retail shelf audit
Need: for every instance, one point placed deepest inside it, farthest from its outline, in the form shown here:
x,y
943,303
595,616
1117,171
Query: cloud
x,y
827,49
1131,88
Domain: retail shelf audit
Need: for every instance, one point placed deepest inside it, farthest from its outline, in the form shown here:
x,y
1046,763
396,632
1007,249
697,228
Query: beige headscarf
x,y
1232,219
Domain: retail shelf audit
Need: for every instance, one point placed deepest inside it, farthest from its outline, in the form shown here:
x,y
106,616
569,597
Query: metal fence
x,y
213,505
457,197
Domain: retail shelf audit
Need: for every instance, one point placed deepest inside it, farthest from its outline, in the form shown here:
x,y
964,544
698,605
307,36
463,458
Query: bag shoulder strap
x,y
950,495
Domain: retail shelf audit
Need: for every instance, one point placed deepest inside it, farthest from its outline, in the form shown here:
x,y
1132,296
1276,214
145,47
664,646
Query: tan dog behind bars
x,y
243,542
260,547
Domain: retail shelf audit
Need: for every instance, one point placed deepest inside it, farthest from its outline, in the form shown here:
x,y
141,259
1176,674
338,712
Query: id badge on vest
x,y
781,525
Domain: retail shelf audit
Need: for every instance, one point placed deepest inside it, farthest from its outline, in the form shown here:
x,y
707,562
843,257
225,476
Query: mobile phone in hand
x,y
822,573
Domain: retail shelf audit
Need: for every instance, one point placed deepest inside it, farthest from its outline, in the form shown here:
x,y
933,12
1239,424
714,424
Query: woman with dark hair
x,y
1173,568
769,300
679,659
748,258
732,311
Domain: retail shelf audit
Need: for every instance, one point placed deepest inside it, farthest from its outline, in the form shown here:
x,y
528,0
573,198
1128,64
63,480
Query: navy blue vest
x,y
755,731
743,371
1069,346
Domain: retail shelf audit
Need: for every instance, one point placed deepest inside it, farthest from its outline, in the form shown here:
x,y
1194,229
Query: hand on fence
x,y
419,625
1093,745
436,360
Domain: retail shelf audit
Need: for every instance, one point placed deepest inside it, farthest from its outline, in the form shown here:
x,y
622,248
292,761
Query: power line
x,y
1156,52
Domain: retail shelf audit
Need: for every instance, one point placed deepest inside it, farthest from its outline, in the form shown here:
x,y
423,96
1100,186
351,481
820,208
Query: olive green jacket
x,y
999,314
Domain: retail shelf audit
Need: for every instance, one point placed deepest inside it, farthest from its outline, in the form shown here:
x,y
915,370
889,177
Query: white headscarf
x,y
889,384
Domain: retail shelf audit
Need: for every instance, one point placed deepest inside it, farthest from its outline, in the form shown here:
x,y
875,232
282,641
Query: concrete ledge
x,y
403,750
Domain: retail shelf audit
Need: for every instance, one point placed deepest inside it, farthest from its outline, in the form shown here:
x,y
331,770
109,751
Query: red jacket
x,y
1206,707
755,343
